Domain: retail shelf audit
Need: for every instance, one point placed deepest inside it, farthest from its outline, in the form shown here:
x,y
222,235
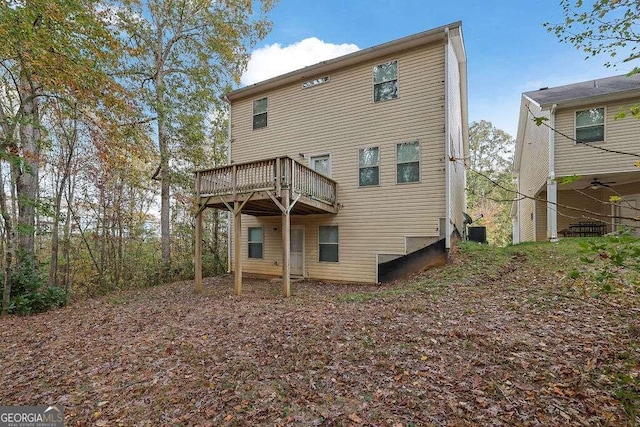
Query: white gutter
x,y
447,183
552,185
228,163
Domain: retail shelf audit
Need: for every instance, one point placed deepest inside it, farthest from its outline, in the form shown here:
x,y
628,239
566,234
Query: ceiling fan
x,y
596,184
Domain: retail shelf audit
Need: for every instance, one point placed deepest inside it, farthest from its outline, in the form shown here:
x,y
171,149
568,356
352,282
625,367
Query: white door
x,y
627,209
297,251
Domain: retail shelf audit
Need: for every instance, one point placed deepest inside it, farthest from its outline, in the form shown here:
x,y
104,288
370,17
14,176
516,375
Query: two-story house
x,y
341,170
576,170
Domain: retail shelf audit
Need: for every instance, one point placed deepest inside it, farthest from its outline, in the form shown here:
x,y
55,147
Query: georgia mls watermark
x,y
32,416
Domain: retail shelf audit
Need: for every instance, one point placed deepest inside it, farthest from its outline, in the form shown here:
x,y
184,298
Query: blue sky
x,y
508,50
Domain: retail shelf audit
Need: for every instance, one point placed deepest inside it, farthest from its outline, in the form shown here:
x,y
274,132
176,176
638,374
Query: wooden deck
x,y
258,185
278,186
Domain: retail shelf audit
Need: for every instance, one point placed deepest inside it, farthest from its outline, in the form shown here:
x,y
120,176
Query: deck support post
x,y
286,244
237,243
198,254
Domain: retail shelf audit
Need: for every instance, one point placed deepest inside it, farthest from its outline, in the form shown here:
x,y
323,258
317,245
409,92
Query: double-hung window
x,y
590,125
385,81
260,113
328,243
408,162
369,167
255,242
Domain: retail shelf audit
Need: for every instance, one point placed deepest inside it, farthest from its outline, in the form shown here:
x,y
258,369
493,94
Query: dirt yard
x,y
499,341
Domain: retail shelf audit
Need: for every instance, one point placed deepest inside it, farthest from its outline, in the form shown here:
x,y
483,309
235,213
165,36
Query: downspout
x,y
447,179
552,185
228,163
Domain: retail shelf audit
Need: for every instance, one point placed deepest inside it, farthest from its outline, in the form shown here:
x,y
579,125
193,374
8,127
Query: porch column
x,y
552,185
198,254
286,244
237,251
552,209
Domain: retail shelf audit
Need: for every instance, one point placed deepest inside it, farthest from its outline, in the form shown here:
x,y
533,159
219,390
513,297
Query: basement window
x,y
255,242
590,125
260,113
328,243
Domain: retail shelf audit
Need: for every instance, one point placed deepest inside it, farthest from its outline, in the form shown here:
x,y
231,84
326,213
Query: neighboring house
x,y
581,140
343,166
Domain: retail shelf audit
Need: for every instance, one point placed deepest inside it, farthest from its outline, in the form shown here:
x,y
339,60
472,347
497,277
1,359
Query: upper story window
x,y
260,113
369,166
321,164
408,162
385,81
590,125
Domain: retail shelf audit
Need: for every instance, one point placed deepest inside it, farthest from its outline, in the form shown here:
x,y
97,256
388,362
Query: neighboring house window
x,y
590,125
328,243
408,162
321,164
385,81
260,113
369,165
255,242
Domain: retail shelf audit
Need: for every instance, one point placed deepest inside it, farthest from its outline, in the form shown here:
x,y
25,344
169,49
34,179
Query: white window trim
x,y
419,162
373,82
604,124
253,115
250,241
315,155
379,168
337,244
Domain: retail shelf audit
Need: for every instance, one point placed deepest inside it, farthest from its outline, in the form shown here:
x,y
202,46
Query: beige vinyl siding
x,y
596,203
456,169
540,219
620,135
571,198
534,170
340,117
526,215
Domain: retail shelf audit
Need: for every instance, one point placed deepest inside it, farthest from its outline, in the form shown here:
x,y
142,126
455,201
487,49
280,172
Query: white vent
x,y
315,82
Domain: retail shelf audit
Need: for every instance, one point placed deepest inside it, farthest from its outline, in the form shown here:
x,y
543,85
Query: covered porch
x,y
588,206
269,187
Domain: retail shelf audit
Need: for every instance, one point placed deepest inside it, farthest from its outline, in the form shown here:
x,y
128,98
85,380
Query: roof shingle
x,y
585,90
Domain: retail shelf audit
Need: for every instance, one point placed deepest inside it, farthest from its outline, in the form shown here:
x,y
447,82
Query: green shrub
x,y
29,293
36,302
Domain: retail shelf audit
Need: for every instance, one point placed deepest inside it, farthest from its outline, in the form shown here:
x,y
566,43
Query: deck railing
x,y
270,174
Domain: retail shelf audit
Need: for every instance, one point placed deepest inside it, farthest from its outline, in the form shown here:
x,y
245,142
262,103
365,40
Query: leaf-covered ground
x,y
498,337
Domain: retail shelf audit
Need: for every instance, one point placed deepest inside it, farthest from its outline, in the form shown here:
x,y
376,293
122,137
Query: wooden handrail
x,y
268,174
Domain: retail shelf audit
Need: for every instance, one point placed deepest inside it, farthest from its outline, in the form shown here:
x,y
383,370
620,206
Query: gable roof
x,y
363,55
615,87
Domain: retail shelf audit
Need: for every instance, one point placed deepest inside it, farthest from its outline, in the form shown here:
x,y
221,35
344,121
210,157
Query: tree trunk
x,y
27,174
8,234
66,248
60,188
165,183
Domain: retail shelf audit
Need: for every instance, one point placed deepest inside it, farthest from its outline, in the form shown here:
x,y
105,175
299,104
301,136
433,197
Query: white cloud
x,y
274,60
